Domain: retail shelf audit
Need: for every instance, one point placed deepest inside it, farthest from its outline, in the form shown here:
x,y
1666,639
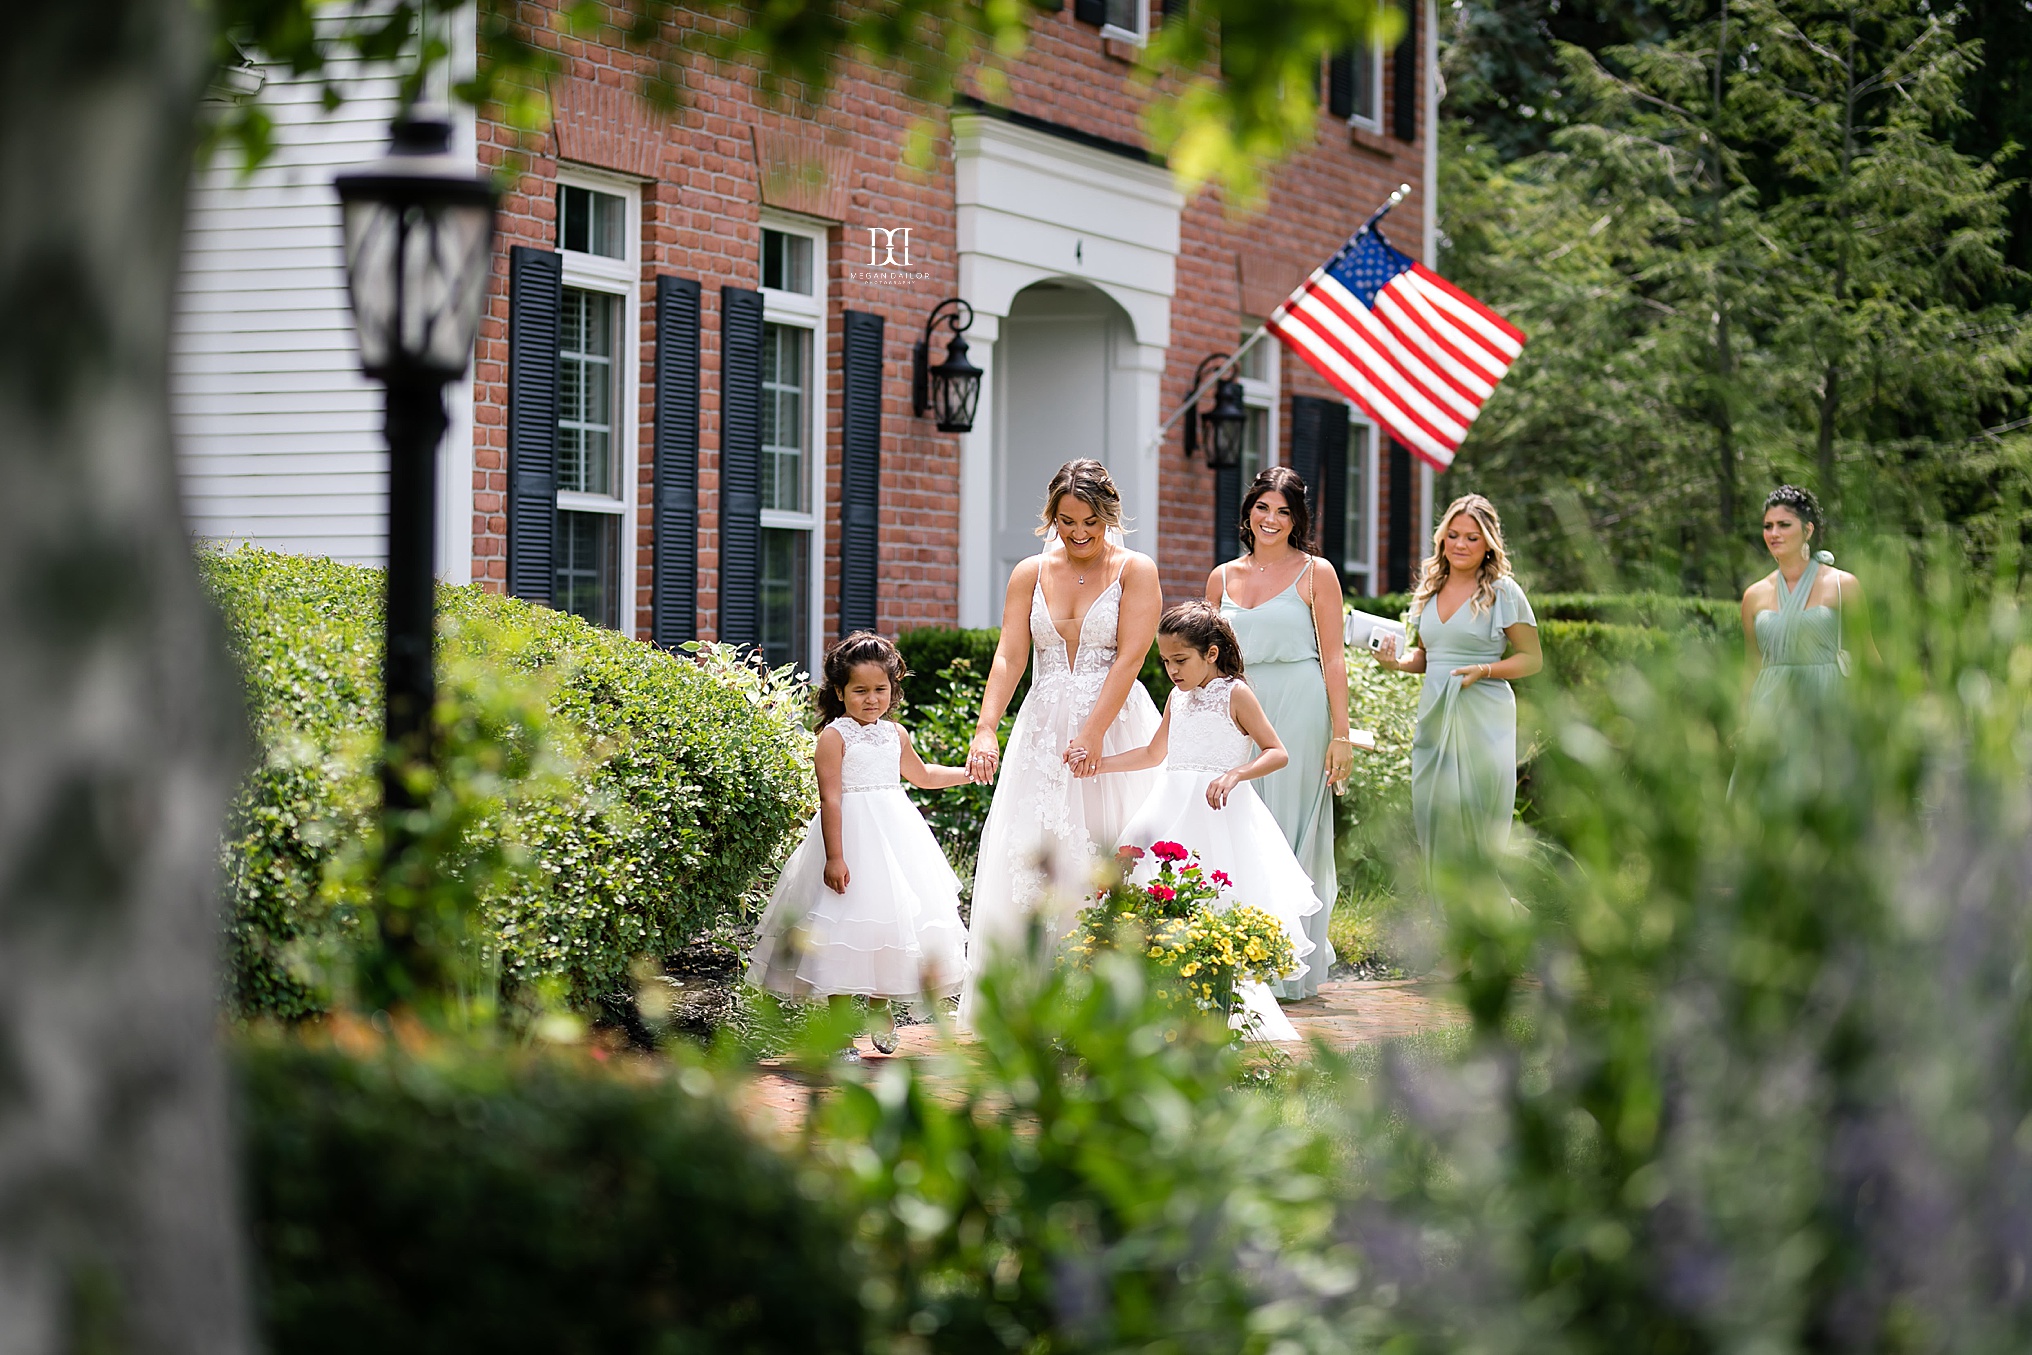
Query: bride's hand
x,y
984,757
1082,763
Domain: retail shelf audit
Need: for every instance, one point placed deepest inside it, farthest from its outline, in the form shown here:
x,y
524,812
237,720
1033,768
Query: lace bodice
x,y
1204,737
1089,663
874,755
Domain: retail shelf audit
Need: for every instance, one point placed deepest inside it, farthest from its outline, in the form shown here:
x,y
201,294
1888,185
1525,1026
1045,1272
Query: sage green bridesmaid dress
x,y
1464,753
1280,656
1797,644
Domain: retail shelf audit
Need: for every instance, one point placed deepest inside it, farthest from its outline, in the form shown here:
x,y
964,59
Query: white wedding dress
x,y
1048,831
1241,838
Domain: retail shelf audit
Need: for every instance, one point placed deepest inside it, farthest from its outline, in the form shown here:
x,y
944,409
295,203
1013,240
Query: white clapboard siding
x,y
277,431
279,436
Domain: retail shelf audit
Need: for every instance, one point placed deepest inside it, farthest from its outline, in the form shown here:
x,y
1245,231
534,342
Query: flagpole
x,y
1192,400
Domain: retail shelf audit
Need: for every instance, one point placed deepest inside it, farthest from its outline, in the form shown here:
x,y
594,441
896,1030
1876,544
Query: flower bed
x,y
1200,945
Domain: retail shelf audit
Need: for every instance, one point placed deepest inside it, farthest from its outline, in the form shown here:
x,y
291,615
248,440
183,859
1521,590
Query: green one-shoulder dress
x,y
1464,753
1280,659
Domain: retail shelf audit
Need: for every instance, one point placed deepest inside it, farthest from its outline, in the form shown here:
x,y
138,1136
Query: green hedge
x,y
1658,610
465,1201
670,784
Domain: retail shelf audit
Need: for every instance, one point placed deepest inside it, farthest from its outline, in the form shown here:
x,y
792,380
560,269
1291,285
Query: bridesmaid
x,y
1281,599
1474,634
1792,618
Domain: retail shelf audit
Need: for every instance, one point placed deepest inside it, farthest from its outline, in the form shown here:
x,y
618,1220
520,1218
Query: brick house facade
x,y
631,262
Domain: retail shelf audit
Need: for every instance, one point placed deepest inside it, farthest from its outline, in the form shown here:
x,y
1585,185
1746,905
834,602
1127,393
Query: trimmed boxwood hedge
x,y
1656,610
673,782
460,1200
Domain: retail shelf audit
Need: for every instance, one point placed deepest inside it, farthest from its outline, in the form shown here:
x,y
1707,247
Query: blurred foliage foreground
x,y
1749,1071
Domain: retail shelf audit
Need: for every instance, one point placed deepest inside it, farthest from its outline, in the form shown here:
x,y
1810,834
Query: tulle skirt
x,y
894,933
1244,841
1048,831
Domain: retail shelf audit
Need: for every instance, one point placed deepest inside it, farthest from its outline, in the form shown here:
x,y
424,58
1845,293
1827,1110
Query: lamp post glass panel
x,y
419,227
951,391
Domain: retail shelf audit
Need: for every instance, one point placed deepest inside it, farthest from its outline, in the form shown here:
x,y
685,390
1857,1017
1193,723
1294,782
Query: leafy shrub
x,y
687,778
1769,1087
942,729
1665,611
1086,1179
461,1200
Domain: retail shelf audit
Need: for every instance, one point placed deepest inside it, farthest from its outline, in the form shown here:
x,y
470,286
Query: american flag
x,y
1418,354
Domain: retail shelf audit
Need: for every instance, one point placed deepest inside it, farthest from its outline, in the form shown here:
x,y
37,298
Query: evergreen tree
x,y
1756,254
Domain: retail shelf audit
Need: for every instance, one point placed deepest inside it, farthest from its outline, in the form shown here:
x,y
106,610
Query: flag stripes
x,y
1419,355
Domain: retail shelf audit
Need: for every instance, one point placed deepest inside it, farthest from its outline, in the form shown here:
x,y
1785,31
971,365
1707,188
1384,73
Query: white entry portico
x,y
1068,254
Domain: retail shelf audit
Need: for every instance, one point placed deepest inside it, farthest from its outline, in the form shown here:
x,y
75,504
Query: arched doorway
x,y
1058,395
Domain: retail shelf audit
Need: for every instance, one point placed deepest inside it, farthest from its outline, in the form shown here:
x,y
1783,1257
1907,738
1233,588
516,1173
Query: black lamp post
x,y
419,231
951,391
1225,422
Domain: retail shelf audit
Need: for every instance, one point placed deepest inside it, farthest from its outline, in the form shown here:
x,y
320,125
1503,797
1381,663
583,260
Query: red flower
x,y
1221,879
1168,851
1133,853
1162,893
1192,869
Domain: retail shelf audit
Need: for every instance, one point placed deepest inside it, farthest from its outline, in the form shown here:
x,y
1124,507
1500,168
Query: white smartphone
x,y
1376,638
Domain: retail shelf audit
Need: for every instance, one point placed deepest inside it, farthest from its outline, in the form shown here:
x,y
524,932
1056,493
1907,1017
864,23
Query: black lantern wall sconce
x,y
1225,423
951,391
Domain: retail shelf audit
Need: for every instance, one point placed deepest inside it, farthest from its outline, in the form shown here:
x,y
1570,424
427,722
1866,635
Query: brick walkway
x,y
1347,1013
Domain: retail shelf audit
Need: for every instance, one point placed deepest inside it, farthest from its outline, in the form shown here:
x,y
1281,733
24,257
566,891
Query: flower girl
x,y
866,905
1214,739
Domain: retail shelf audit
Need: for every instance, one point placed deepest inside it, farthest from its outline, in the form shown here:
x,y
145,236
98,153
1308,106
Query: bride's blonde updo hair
x,y
1495,564
1088,481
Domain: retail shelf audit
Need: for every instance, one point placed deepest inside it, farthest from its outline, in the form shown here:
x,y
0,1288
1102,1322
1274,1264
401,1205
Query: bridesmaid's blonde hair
x,y
1495,565
1089,482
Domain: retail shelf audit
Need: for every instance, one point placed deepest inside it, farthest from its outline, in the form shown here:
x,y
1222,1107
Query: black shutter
x,y
1330,492
1340,83
740,466
1093,12
860,467
1406,74
1397,561
1310,417
535,301
1227,513
674,615
1175,9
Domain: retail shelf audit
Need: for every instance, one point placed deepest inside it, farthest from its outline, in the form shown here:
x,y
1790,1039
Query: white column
x,y
979,596
455,459
1136,397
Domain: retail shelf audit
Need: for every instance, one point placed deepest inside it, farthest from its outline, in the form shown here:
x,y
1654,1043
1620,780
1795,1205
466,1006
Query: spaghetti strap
x,y
1221,572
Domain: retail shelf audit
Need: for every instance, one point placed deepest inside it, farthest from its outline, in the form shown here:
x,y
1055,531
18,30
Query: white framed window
x,y
793,469
592,554
1126,20
1358,528
1355,83
1258,372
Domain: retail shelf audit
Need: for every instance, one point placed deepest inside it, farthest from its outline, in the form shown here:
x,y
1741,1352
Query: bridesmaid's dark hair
x,y
1285,481
1796,501
1201,625
863,646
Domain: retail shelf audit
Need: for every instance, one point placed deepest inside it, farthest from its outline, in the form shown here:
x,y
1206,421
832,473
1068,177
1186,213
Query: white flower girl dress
x,y
1242,839
895,932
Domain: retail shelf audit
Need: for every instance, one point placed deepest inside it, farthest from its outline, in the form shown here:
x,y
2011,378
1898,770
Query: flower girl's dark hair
x,y
1201,625
863,646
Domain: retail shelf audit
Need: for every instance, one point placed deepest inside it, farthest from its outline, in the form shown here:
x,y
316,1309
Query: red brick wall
x,y
700,219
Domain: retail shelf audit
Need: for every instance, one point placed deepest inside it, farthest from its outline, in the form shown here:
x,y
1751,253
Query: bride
x,y
1082,613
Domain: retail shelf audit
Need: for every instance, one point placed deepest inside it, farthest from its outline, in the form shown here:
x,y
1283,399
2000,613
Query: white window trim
x,y
1138,35
622,278
1372,471
1262,392
1372,124
808,313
